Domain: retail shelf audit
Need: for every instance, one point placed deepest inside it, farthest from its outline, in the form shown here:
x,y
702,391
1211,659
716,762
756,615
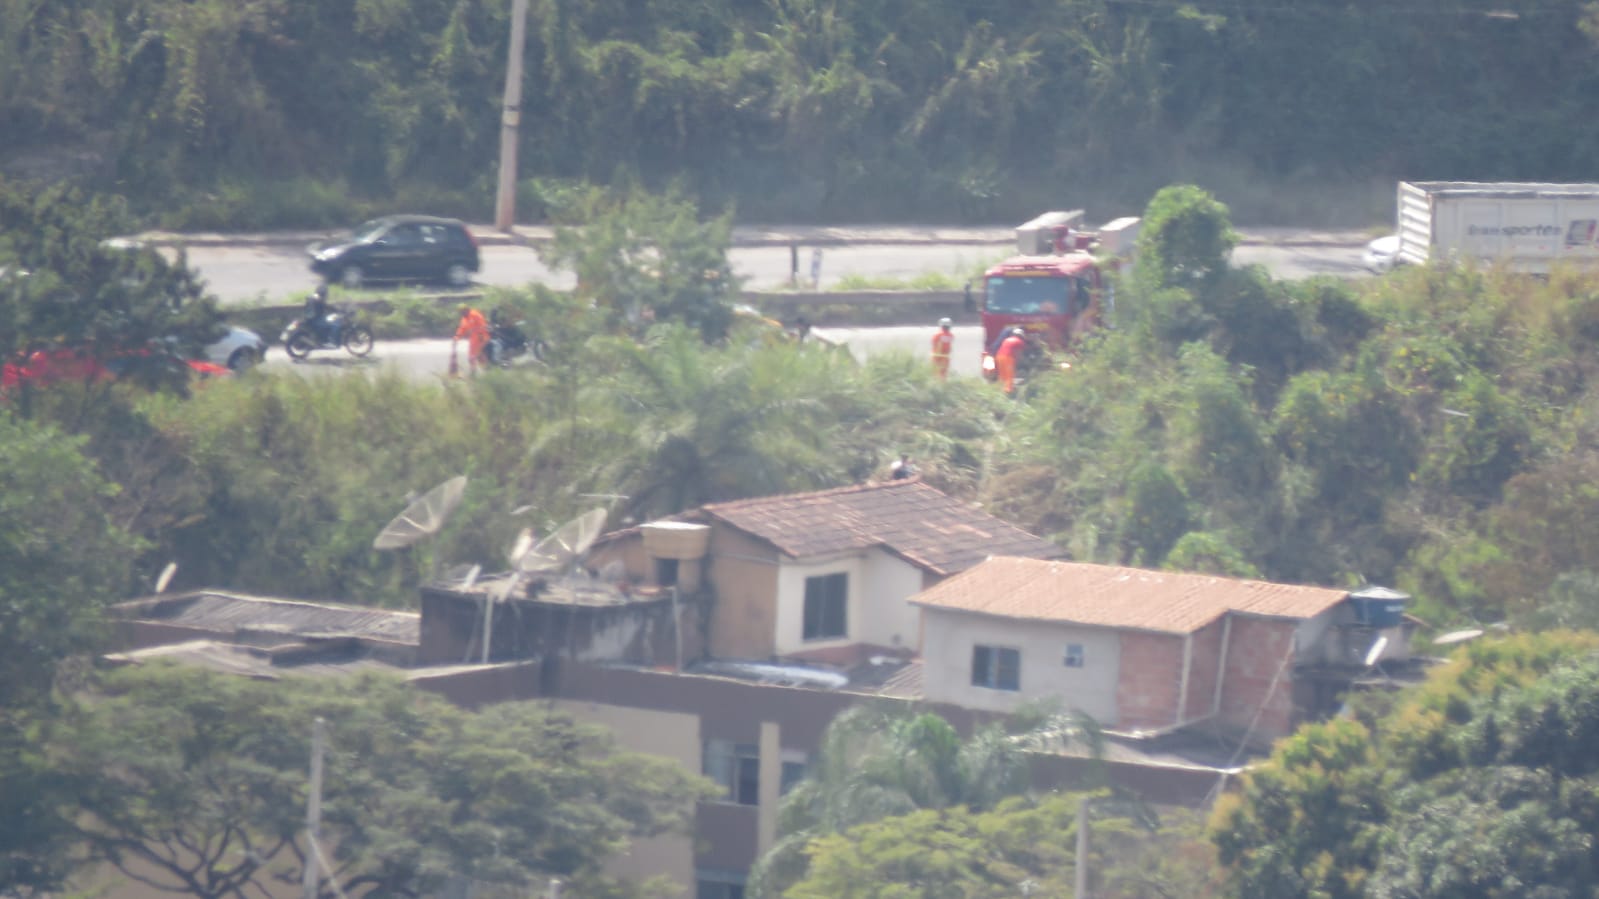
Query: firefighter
x,y
943,342
475,328
1005,359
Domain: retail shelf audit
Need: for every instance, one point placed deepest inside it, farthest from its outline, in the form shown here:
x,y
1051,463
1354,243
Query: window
x,y
794,768
826,601
713,884
1074,655
737,767
996,667
666,572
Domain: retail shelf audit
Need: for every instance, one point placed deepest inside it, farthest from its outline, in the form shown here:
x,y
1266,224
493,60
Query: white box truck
x,y
1529,227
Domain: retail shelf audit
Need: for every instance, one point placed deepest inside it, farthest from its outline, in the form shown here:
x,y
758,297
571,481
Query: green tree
x,y
61,561
79,292
195,782
1019,847
1185,240
1478,783
882,762
648,257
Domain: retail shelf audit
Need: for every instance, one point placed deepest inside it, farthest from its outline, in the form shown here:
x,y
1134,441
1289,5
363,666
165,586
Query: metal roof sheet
x,y
222,612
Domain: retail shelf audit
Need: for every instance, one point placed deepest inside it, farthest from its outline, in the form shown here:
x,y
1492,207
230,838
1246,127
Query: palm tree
x,y
881,761
698,424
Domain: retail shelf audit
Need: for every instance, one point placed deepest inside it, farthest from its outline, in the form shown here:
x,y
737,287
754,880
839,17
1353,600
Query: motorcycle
x,y
508,342
339,329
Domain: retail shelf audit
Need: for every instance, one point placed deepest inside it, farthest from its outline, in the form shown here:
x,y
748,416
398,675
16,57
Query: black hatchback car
x,y
400,248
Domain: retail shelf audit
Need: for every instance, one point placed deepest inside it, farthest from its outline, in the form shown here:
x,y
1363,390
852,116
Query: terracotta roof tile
x,y
923,525
1112,596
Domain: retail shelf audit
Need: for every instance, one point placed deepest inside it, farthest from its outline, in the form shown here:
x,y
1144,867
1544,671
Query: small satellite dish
x,y
1375,652
1453,637
524,542
565,545
424,517
471,577
165,577
614,572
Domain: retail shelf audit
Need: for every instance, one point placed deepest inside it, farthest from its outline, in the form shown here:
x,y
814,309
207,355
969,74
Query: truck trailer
x,y
1528,227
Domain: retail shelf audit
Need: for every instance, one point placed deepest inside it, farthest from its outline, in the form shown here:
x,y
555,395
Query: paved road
x,y
242,275
425,360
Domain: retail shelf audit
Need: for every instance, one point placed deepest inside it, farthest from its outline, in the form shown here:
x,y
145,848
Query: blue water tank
x,y
1379,607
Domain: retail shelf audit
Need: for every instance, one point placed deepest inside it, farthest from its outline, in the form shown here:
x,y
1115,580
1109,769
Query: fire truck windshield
x,y
1012,295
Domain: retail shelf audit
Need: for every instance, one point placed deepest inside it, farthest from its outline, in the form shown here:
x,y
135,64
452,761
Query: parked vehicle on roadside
x,y
1527,227
239,349
400,248
340,328
508,342
1053,288
75,364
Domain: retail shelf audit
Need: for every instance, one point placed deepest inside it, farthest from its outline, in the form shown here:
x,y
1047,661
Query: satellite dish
x,y
524,542
1453,637
165,577
565,545
1375,652
424,517
464,576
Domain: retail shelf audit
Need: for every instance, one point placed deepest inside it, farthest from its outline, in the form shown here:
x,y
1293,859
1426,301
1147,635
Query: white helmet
x,y
944,322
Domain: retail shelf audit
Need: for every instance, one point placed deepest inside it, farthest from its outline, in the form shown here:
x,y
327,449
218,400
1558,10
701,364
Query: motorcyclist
x,y
316,313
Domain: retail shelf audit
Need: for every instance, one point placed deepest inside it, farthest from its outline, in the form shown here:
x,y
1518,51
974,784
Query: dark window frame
x,y
826,612
997,667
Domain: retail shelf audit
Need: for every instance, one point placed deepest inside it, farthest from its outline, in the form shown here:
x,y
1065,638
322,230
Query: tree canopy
x,y
195,782
236,114
1479,784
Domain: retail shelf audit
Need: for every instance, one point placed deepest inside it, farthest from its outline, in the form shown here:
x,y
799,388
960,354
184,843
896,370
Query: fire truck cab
x,y
1053,289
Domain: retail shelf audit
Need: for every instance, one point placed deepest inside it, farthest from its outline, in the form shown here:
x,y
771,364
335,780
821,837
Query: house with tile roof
x,y
821,576
1147,653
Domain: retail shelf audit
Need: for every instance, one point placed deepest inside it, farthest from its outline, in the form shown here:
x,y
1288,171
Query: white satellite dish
x,y
1375,652
165,577
1453,637
524,542
424,517
561,548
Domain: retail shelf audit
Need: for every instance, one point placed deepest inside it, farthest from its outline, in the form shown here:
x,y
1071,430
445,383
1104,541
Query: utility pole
x,y
313,812
1080,885
511,119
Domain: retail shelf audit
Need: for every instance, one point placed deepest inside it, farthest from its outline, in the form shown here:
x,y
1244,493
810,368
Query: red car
x,y
68,364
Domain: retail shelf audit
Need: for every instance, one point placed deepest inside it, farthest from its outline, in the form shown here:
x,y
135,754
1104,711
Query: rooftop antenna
x,y
565,545
561,548
165,577
424,517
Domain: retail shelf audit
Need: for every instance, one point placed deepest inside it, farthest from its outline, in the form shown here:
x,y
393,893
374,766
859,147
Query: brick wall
x,y
1202,674
1255,656
1151,674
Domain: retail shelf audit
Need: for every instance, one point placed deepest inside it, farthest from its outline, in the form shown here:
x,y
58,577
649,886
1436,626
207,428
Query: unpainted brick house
x,y
1152,652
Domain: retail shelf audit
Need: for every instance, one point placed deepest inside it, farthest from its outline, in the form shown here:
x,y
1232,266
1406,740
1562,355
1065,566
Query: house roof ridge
x,y
864,486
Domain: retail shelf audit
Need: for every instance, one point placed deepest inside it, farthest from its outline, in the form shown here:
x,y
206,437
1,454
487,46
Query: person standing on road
x,y
1010,350
943,343
475,328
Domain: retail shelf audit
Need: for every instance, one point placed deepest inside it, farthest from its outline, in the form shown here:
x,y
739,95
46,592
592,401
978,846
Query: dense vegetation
x,y
237,113
1432,429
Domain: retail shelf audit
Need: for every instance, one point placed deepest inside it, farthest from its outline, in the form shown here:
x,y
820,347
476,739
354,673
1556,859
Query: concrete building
x,y
729,637
822,576
1148,653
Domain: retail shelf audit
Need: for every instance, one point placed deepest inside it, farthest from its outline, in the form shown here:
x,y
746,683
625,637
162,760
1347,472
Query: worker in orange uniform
x,y
1010,350
943,342
475,328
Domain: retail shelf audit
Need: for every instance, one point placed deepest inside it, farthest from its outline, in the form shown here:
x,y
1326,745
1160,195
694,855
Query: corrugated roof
x,y
1117,597
229,613
926,527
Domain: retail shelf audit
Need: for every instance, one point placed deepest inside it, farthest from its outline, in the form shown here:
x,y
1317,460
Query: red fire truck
x,y
1053,289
